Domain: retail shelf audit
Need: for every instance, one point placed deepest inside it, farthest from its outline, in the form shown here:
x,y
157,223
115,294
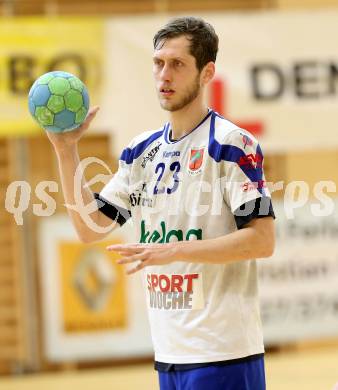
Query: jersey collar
x,y
167,130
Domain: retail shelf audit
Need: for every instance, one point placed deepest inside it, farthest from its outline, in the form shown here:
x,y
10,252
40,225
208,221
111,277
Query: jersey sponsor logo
x,y
141,198
246,140
195,160
175,291
171,154
150,155
163,235
250,186
251,161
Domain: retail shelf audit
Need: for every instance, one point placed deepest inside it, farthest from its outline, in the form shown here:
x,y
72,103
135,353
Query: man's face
x,y
176,75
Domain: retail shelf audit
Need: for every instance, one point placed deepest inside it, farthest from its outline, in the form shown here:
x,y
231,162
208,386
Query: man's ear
x,y
208,72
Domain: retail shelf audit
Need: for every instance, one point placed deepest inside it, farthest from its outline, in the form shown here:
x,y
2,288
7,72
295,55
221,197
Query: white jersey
x,y
190,189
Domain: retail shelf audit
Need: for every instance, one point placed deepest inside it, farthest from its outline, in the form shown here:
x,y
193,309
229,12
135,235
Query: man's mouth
x,y
166,91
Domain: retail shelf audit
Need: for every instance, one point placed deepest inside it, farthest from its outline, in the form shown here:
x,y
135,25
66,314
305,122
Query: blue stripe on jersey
x,y
130,154
233,153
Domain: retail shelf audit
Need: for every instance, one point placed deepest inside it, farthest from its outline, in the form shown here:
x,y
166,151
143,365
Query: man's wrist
x,y
67,149
182,250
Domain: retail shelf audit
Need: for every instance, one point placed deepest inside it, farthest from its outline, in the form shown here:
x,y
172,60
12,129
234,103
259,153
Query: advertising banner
x,y
31,47
279,83
93,288
298,284
276,76
91,310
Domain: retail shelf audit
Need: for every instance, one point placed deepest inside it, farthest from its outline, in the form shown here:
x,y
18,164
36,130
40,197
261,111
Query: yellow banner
x,y
93,288
30,47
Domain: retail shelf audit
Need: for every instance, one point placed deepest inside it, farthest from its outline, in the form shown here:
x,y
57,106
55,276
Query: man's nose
x,y
165,74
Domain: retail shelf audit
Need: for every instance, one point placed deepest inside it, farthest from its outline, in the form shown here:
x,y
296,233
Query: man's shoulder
x,y
228,142
146,136
140,143
228,133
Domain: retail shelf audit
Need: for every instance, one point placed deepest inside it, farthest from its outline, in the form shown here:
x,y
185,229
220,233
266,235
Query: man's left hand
x,y
145,254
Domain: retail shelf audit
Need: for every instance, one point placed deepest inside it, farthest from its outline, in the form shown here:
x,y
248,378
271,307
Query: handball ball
x,y
58,101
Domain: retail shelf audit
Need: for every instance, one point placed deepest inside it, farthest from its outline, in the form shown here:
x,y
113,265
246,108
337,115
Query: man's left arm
x,y
255,240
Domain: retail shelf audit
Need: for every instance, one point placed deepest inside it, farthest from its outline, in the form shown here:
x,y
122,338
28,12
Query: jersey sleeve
x,y
246,192
113,200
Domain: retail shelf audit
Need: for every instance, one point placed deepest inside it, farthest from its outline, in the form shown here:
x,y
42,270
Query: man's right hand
x,y
67,139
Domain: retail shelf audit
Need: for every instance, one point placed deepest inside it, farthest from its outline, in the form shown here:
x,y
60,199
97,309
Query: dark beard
x,y
190,95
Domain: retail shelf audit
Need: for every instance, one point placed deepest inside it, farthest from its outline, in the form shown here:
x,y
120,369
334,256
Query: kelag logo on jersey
x,y
196,160
175,291
162,235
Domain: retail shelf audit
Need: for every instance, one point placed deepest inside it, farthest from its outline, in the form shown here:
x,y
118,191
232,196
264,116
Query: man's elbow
x,y
264,237
268,250
86,238
88,235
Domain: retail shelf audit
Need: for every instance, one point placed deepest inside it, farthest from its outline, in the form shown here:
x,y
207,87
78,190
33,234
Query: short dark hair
x,y
202,36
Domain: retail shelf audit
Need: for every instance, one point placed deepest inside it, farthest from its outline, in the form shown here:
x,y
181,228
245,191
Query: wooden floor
x,y
309,369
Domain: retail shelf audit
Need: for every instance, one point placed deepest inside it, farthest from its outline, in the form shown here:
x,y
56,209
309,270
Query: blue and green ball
x,y
58,101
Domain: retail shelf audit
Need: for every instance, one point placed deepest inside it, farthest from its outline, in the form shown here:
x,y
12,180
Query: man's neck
x,y
182,122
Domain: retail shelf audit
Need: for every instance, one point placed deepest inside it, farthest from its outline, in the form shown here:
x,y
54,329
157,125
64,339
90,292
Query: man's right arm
x,y
66,148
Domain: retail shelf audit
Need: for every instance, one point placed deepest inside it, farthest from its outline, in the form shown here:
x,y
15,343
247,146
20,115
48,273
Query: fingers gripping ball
x,y
58,101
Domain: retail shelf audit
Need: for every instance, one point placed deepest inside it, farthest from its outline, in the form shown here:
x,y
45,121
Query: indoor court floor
x,y
298,369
